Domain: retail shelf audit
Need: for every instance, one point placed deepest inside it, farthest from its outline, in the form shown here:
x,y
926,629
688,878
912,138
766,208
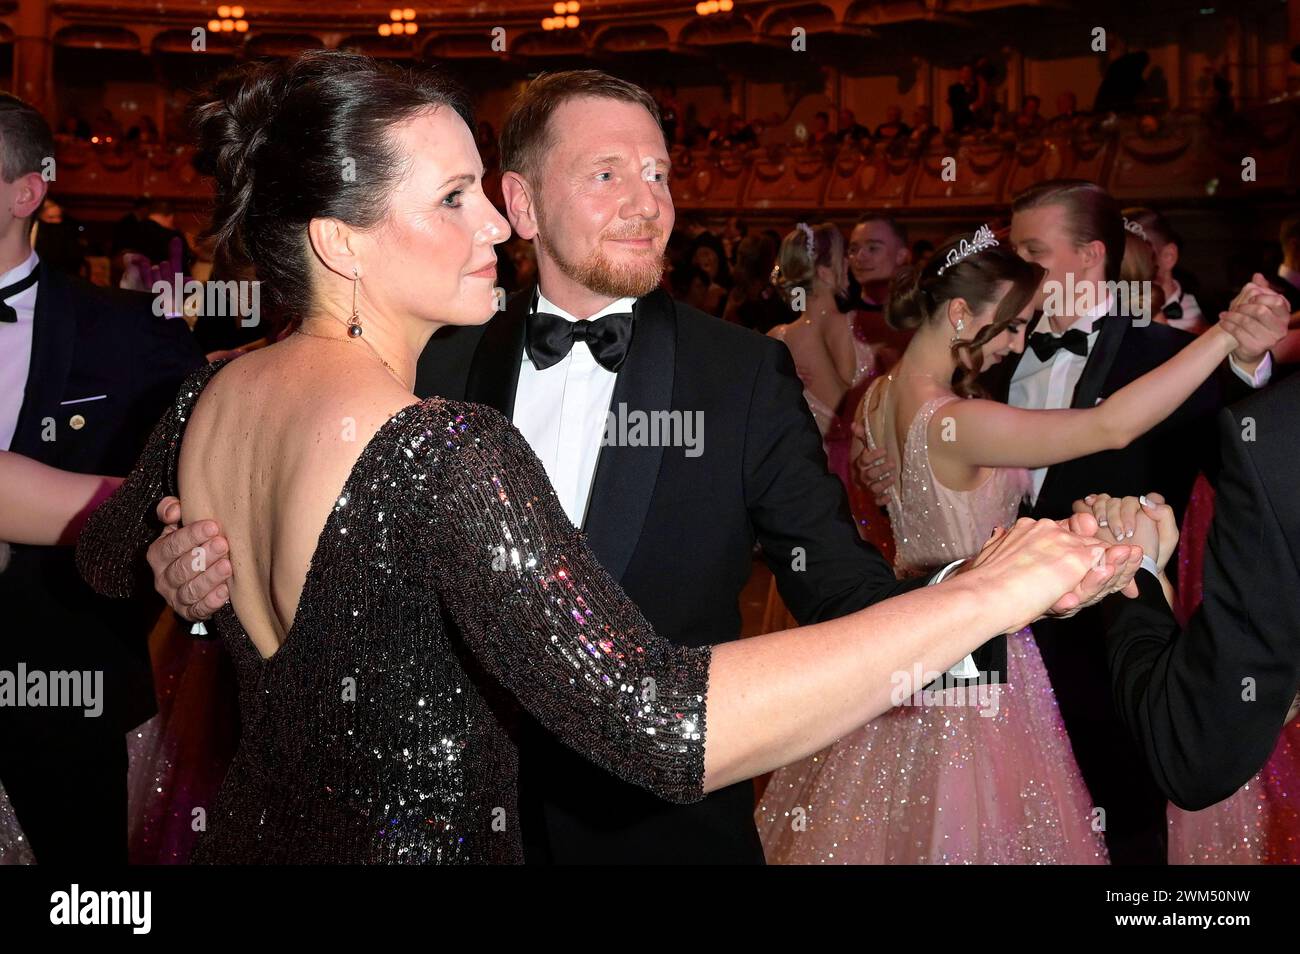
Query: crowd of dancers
x,y
439,616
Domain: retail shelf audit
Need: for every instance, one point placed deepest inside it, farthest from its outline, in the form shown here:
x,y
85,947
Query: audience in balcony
x,y
971,99
851,131
893,127
1029,121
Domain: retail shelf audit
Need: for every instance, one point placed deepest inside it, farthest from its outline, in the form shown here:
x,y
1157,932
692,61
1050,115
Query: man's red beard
x,y
617,280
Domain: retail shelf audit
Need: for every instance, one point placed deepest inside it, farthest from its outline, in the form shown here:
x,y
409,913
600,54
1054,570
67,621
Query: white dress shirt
x,y
16,349
1039,385
562,410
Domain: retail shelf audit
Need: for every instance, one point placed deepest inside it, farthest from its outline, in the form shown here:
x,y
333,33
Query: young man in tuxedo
x,y
1074,229
85,373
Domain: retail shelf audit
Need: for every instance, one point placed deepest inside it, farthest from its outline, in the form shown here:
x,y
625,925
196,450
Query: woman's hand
x,y
1147,522
1041,565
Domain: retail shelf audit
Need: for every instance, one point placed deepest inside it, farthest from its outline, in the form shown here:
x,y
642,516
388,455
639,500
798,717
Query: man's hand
x,y
190,566
873,471
1258,318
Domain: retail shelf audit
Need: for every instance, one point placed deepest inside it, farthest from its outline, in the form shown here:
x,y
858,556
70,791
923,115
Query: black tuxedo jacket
x,y
1165,459
678,532
103,370
1206,705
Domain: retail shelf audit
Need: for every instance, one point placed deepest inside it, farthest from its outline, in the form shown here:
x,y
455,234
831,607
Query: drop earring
x,y
960,325
354,322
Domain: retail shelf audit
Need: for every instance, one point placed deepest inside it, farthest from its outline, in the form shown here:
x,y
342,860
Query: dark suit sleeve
x,y
1206,706
798,508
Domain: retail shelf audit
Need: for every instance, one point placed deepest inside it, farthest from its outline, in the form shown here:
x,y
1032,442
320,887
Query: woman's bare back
x,y
269,446
814,357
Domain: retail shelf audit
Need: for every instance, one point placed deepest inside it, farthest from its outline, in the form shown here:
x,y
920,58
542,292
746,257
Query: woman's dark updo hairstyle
x,y
918,295
291,140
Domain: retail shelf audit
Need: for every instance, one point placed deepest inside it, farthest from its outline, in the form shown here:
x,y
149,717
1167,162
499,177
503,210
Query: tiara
x,y
1136,228
982,239
807,231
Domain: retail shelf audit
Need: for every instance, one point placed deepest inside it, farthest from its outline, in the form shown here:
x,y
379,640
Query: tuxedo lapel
x,y
1100,360
625,476
54,333
494,370
1095,372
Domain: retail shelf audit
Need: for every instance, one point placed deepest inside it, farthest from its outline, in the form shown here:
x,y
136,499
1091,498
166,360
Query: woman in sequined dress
x,y
404,575
981,775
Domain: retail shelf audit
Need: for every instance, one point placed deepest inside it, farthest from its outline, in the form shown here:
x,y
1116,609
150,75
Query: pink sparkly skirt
x,y
985,778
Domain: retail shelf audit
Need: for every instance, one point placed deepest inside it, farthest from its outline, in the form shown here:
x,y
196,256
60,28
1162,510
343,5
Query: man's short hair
x,y
26,143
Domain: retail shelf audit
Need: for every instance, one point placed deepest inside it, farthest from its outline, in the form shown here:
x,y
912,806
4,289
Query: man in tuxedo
x,y
595,345
1074,229
1206,705
85,373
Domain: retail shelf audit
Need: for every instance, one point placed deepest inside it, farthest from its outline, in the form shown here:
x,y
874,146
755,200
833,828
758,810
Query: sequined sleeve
x,y
111,547
540,613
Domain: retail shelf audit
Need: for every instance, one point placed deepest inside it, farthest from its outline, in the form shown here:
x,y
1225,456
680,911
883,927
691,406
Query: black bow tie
x,y
550,337
1174,310
1045,345
7,312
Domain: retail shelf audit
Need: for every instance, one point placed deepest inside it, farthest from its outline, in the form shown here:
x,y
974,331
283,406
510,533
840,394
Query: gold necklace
x,y
391,369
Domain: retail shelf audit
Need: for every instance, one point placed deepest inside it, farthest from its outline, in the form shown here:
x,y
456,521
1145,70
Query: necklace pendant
x,y
354,331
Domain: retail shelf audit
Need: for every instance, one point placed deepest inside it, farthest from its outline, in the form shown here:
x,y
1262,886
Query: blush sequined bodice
x,y
447,589
932,524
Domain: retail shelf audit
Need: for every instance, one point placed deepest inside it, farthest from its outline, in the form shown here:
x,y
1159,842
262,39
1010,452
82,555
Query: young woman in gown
x,y
811,271
364,523
989,776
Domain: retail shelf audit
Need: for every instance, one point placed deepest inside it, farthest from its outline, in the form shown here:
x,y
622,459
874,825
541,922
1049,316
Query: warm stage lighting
x,y
237,12
411,28
570,21
559,7
223,11
241,26
385,30
214,26
394,14
408,14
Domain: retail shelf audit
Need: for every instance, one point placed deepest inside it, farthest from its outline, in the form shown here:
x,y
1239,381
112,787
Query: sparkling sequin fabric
x,y
447,587
982,775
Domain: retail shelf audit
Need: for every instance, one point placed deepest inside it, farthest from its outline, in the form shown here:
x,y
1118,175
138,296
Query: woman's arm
x,y
44,506
992,434
544,618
